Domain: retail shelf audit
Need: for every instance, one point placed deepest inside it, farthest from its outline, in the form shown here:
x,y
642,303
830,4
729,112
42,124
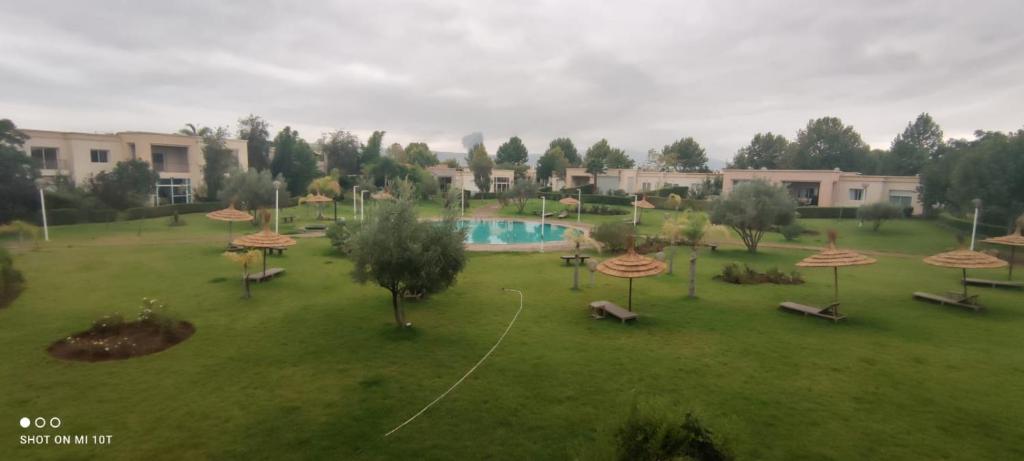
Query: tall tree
x,y
481,165
617,158
128,184
752,208
372,150
418,153
512,151
405,255
552,163
596,158
826,143
294,159
683,155
920,141
568,150
341,151
192,129
251,189
218,159
396,152
18,194
766,150
256,132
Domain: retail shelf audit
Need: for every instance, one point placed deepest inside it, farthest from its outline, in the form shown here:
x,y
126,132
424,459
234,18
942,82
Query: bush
x,y
169,210
964,226
732,273
665,191
818,212
340,235
613,235
879,212
662,203
791,231
603,210
11,280
652,438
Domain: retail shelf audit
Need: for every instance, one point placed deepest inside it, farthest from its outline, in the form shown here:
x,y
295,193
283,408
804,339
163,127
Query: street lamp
x,y
974,228
462,195
40,183
636,198
362,203
277,200
579,206
543,209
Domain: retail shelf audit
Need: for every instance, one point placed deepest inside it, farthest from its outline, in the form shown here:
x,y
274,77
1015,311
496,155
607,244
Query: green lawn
x,y
313,366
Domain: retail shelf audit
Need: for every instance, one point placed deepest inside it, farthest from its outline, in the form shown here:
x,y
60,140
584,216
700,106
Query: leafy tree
x,y
326,186
245,259
128,184
521,193
252,189
920,141
341,152
385,170
451,163
396,152
18,194
256,132
766,150
826,143
878,212
683,155
294,159
218,159
568,150
418,153
407,256
990,168
512,151
617,158
481,165
519,170
752,208
372,150
594,162
552,163
426,183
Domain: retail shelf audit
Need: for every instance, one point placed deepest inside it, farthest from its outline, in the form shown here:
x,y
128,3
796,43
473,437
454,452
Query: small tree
x,y
481,165
522,192
878,212
407,256
252,189
579,239
246,259
694,229
752,208
127,185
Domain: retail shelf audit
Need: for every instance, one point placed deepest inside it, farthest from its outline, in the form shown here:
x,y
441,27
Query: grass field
x,y
313,367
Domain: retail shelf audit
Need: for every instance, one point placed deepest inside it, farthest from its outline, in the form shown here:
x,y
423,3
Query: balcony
x,y
170,159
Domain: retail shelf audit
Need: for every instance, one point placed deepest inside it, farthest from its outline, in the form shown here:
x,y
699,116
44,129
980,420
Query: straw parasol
x,y
643,203
318,199
382,195
835,258
231,215
569,201
630,266
1013,241
264,240
963,260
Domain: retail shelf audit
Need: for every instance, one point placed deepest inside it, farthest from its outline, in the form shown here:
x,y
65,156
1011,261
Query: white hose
x,y
471,370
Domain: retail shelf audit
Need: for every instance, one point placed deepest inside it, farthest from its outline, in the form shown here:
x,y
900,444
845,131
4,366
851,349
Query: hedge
x,y
965,226
589,199
823,212
681,191
662,203
63,216
168,210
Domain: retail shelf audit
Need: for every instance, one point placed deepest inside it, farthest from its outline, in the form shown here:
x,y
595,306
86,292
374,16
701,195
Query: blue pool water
x,y
498,232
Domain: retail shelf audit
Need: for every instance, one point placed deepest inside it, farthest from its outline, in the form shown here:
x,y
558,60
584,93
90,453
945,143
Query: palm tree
x,y
191,130
246,259
579,238
694,228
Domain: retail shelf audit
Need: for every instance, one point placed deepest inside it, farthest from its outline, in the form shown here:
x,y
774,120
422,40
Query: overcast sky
x,y
638,73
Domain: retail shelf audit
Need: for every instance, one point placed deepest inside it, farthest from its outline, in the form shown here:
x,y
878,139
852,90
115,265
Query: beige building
x,y
834,188
177,158
631,180
501,180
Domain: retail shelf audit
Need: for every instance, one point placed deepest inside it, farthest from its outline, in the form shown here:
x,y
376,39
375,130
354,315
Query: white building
x,y
501,180
632,180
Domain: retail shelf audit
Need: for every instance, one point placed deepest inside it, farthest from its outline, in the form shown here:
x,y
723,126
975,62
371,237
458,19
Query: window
x,y
646,187
98,155
131,149
174,190
501,184
901,198
857,194
158,161
46,156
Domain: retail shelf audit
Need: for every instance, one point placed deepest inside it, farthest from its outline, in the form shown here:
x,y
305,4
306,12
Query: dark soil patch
x,y
133,339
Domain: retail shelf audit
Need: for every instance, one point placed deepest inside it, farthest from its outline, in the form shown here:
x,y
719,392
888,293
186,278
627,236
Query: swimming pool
x,y
505,232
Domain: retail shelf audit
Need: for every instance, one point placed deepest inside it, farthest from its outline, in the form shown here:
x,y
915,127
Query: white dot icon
x,y
25,422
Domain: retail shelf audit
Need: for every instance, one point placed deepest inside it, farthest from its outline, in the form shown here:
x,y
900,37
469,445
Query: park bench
x,y
288,219
563,214
830,312
315,227
993,283
952,299
568,258
265,275
600,309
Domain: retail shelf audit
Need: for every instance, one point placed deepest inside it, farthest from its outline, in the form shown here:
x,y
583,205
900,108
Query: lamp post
x,y
635,199
277,202
362,203
40,183
579,206
462,195
354,206
974,227
543,209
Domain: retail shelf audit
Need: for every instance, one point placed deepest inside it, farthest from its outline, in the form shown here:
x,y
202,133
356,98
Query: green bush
x,y
665,191
613,235
732,273
820,212
879,212
791,231
646,437
965,226
340,235
11,280
169,210
662,203
603,210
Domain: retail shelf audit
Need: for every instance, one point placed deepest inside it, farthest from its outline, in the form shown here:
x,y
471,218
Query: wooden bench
x,y
993,283
278,250
288,219
267,275
971,302
315,227
830,312
563,214
545,215
568,258
600,309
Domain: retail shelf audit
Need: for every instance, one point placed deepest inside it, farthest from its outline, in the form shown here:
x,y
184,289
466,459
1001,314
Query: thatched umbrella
x,y
319,200
231,215
382,195
264,240
641,204
963,260
835,258
1013,241
630,266
569,201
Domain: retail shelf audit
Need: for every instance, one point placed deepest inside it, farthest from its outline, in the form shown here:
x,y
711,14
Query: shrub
x,y
732,273
603,210
819,212
11,280
645,437
879,212
169,210
340,235
791,231
613,235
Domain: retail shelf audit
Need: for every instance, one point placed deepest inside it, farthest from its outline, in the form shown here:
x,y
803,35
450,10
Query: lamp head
x,y
976,202
277,185
40,183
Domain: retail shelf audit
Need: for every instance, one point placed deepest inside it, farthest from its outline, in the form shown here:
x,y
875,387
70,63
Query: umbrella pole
x,y
631,294
1012,250
264,263
964,281
229,233
835,284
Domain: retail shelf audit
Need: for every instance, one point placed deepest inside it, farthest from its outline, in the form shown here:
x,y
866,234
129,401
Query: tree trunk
x,y
576,274
397,305
245,284
671,258
693,273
